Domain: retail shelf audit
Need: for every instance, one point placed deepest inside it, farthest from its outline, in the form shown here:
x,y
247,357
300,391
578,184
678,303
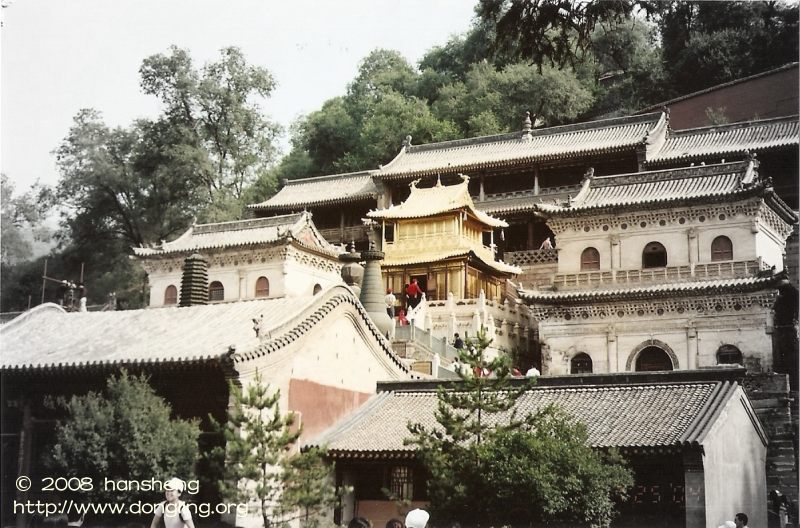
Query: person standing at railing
x,y
390,300
457,341
413,293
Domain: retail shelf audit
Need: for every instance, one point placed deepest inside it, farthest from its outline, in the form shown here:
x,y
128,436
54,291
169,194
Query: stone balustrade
x,y
710,270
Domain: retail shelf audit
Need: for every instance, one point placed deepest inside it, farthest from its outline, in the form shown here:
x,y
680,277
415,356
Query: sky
x,y
58,56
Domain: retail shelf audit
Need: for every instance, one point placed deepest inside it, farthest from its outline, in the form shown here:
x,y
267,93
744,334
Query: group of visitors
x,y
414,519
413,295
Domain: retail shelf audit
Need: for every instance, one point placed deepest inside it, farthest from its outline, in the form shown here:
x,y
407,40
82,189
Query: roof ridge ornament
x,y
414,183
407,142
526,128
438,179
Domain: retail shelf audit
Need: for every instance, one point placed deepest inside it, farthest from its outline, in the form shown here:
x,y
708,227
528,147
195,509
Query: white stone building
x,y
664,270
280,256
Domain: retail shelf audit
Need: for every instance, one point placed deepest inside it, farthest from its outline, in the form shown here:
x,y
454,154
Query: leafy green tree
x,y
490,98
20,222
258,463
496,468
549,32
124,434
218,109
127,185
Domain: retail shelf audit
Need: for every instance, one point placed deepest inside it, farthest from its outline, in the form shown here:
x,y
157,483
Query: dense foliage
x,y
492,466
125,434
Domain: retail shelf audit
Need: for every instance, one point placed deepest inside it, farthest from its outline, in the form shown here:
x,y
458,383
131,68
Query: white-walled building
x,y
664,270
281,256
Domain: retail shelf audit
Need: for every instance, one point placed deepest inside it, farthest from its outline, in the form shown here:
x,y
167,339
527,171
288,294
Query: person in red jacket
x,y
413,293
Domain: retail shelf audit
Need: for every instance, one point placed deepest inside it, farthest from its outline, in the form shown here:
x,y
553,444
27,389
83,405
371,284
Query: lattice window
x,y
721,249
171,295
262,287
590,259
216,291
401,482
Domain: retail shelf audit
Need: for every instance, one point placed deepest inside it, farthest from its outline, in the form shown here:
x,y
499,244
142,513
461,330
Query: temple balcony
x,y
344,235
668,274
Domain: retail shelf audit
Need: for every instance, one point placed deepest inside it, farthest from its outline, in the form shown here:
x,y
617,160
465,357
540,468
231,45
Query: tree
x,y
553,32
258,463
126,434
128,185
218,107
20,222
496,468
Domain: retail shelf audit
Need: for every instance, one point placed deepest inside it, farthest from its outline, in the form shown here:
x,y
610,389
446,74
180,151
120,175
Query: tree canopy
x,y
124,434
490,466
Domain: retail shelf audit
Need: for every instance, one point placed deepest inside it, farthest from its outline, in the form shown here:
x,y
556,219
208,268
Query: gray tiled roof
x,y
661,187
323,190
242,233
650,292
47,337
595,137
636,415
722,140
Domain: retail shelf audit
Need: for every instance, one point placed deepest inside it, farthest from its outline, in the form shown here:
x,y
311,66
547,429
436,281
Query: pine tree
x,y
493,467
260,462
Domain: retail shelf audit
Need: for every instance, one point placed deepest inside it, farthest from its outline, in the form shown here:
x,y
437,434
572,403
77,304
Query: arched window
x,y
171,295
317,289
216,291
653,358
654,255
729,355
721,249
262,287
590,259
581,364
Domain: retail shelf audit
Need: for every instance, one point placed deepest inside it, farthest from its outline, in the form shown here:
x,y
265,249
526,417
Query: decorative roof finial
x,y
407,142
526,128
589,173
414,183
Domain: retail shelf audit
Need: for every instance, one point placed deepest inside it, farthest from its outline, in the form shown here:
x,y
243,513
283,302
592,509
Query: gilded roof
x,y
432,201
721,140
323,190
635,415
433,255
650,292
243,233
594,137
661,187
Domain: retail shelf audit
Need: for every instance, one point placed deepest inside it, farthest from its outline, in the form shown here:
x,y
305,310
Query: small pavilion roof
x,y
243,233
616,415
322,190
668,187
728,140
552,143
432,201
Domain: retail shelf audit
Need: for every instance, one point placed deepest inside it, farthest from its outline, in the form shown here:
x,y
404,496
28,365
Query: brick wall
x,y
776,407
